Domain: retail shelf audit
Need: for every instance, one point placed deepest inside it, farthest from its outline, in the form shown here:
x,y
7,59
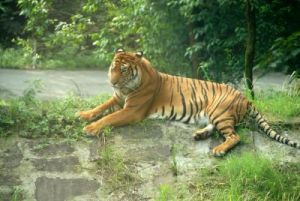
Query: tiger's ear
x,y
119,50
139,54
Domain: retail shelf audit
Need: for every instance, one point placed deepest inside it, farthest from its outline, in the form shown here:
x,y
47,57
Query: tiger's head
x,y
125,70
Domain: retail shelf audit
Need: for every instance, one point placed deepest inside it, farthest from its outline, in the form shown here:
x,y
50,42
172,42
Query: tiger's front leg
x,y
90,114
118,118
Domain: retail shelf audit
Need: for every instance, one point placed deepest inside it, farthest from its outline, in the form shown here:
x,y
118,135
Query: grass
x,y
252,177
17,195
239,178
165,193
278,105
112,166
32,118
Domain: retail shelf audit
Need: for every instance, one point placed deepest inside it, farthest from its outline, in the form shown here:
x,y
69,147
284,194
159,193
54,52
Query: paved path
x,y
56,83
85,83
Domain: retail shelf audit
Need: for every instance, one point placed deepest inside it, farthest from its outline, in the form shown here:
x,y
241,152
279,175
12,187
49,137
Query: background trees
x,y
196,38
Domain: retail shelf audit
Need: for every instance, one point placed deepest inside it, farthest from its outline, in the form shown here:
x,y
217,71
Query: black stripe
x,y
205,97
222,120
261,121
238,116
224,128
256,115
266,127
268,131
172,112
276,137
217,106
193,81
219,101
191,113
213,89
206,86
174,117
183,105
163,111
195,99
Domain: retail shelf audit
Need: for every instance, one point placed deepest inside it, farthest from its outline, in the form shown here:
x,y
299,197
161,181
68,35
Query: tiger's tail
x,y
266,128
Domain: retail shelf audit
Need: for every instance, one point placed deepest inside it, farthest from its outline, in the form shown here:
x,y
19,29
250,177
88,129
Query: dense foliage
x,y
197,38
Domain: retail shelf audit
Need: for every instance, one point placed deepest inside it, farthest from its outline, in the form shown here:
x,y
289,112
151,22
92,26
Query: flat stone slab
x,y
56,189
11,157
62,164
43,149
9,180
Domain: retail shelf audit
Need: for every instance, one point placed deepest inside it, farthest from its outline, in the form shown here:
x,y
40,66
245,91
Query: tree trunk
x,y
250,45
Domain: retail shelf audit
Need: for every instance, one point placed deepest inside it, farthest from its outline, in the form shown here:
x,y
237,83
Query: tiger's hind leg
x,y
203,133
231,138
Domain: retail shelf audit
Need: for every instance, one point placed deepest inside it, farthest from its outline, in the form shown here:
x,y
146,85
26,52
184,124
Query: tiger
x,y
140,92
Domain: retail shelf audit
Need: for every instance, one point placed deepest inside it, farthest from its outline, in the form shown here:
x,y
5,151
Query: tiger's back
x,y
190,100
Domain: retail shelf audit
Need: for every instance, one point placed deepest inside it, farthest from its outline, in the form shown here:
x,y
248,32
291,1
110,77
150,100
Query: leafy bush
x,y
13,58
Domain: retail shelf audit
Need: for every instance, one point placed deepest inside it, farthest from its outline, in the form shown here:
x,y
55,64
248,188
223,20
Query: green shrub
x,y
13,58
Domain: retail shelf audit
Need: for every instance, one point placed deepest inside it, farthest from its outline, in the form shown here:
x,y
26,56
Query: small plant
x,y
17,195
113,167
106,133
165,193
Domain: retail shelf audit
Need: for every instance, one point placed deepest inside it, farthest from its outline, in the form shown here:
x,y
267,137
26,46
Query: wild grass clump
x,y
238,178
112,166
253,177
166,193
30,117
278,105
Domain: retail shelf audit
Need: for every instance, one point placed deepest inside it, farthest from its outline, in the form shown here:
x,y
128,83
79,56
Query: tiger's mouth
x,y
118,85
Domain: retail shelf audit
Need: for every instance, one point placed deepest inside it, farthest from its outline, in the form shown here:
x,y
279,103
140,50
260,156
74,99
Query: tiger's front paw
x,y
92,129
84,115
219,151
